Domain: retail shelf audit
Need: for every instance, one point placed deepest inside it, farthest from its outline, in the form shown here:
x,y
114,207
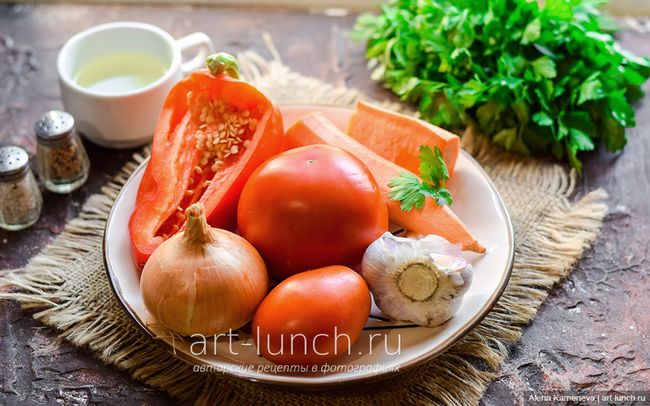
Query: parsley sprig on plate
x,y
411,192
544,80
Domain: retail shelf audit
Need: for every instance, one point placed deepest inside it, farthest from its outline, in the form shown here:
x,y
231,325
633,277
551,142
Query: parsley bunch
x,y
411,192
536,79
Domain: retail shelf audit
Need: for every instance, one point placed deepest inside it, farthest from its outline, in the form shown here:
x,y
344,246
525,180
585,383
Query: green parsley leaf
x,y
406,189
591,89
411,192
542,119
509,139
432,166
532,32
442,196
545,67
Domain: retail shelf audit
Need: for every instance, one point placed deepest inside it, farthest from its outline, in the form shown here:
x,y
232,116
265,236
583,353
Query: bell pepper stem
x,y
223,63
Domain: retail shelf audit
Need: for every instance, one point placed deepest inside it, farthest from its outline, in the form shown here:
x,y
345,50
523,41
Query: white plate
x,y
394,346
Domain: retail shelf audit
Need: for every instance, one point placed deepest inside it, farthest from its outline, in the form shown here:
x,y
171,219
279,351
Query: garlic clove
x,y
436,244
421,281
456,268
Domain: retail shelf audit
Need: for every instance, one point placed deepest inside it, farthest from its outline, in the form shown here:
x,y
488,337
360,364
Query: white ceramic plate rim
x,y
307,382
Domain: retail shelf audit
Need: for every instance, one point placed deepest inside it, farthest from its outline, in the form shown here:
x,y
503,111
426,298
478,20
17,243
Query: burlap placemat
x,y
68,283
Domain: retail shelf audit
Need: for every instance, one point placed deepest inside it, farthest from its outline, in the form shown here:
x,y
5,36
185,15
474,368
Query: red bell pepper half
x,y
212,133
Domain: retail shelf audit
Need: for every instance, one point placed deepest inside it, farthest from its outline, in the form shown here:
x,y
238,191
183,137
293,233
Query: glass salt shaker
x,y
62,160
20,198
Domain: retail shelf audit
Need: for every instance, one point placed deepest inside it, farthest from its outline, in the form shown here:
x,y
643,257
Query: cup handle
x,y
204,47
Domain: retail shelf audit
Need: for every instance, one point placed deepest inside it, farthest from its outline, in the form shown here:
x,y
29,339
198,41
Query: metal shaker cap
x,y
53,126
14,163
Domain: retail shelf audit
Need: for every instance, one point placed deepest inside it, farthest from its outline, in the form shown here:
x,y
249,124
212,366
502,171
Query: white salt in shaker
x,y
20,198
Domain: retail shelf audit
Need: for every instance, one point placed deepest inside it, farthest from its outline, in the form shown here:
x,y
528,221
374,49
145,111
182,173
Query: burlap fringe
x,y
462,373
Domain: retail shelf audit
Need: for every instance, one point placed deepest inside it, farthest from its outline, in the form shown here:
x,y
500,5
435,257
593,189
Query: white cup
x,y
124,120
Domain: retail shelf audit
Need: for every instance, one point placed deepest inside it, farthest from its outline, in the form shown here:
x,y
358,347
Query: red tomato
x,y
312,317
311,207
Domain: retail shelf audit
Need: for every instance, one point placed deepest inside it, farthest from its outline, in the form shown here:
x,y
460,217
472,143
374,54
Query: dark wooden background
x,y
593,333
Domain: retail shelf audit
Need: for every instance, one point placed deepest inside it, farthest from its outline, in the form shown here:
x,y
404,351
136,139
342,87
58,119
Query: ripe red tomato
x,y
311,207
312,317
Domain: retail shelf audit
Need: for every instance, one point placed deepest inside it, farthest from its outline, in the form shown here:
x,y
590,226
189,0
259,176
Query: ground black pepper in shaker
x,y
62,161
20,198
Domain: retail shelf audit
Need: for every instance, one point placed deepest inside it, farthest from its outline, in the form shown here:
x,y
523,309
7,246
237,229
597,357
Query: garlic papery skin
x,y
203,280
420,281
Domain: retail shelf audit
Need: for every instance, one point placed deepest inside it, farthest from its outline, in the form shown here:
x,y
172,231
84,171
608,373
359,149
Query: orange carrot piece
x,y
432,219
398,137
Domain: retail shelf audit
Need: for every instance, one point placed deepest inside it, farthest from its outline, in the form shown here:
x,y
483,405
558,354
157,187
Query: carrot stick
x,y
432,219
398,137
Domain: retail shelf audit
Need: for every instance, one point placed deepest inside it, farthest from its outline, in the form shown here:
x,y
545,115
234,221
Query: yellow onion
x,y
203,280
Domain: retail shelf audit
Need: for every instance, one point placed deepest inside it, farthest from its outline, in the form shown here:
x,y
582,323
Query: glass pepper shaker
x,y
62,160
20,198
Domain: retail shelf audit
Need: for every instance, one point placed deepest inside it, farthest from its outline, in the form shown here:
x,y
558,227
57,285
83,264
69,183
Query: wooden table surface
x,y
593,333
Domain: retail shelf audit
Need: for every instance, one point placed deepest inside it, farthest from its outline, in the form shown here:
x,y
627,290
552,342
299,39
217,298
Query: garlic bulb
x,y
421,281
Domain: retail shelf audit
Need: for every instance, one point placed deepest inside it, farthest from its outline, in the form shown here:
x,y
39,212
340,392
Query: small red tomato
x,y
311,207
312,317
